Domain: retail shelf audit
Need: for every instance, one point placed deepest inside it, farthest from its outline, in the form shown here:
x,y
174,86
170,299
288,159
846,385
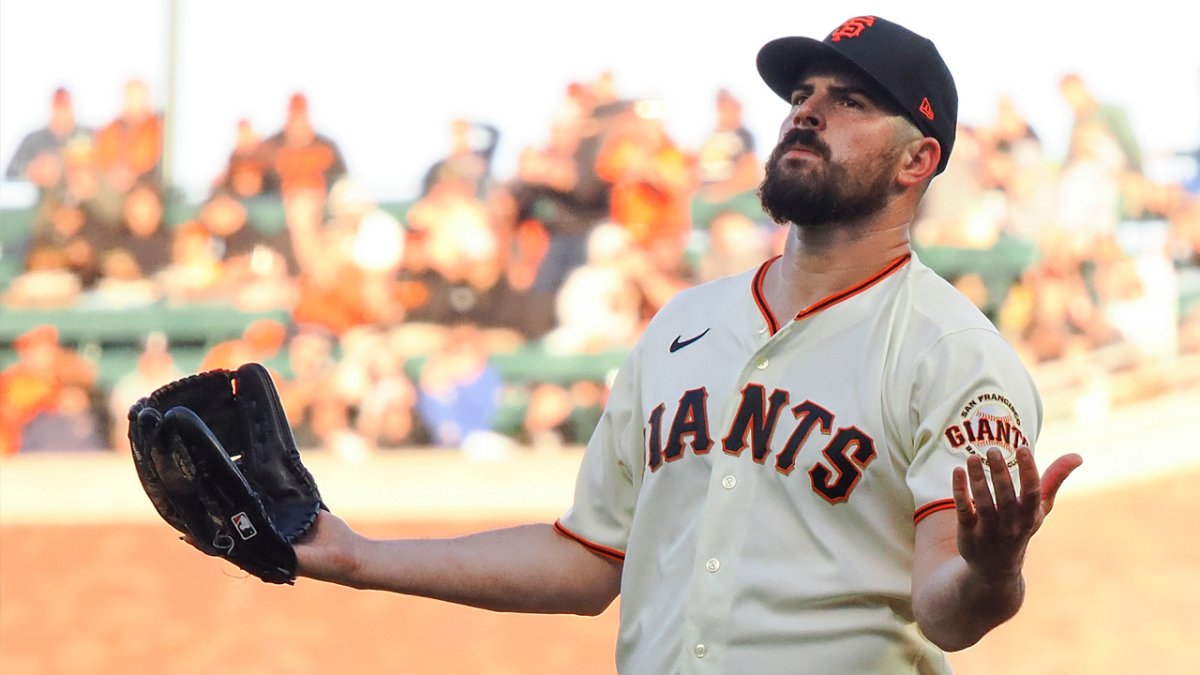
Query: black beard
x,y
817,196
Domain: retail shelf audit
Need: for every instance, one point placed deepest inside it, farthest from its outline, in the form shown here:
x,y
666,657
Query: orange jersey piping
x,y
756,288
773,324
605,551
931,507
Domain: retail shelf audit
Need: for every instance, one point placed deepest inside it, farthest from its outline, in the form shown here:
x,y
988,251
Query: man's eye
x,y
852,102
797,99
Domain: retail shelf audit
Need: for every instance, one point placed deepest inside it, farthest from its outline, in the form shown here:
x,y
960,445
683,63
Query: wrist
x,y
352,562
996,574
996,594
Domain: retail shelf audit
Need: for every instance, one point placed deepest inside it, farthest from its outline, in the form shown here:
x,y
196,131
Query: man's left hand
x,y
994,528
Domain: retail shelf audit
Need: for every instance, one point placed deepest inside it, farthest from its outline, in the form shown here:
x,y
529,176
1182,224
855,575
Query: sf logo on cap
x,y
852,28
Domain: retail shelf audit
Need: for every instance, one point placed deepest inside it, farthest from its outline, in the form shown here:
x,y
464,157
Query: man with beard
x,y
822,465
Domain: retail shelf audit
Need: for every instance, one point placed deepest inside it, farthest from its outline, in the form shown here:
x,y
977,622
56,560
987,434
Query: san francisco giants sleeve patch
x,y
987,421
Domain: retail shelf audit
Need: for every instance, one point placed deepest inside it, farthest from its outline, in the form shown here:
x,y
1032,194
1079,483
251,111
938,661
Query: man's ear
x,y
919,161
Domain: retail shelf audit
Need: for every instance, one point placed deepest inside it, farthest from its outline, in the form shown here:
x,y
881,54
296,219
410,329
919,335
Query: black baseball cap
x,y
905,65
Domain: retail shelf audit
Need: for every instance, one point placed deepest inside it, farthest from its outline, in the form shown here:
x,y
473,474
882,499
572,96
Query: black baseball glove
x,y
216,456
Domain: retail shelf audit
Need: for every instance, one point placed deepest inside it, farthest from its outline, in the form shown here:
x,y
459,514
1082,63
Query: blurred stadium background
x,y
398,207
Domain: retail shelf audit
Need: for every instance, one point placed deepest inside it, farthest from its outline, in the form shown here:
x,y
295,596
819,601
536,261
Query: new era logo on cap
x,y
905,65
926,109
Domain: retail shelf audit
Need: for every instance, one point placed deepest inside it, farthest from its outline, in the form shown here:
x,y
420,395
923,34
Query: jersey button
x,y
728,482
762,364
762,329
700,651
712,565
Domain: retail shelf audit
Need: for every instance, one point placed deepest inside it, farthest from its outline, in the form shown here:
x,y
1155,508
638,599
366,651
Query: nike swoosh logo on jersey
x,y
678,344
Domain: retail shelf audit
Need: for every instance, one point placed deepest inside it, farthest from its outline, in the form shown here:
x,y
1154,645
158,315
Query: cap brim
x,y
782,61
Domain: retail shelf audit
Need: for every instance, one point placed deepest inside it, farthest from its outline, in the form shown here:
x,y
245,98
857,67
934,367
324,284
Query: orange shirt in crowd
x,y
337,303
32,384
137,147
650,189
304,168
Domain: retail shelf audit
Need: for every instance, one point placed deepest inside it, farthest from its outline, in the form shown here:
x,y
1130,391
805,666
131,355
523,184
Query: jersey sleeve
x,y
970,393
610,474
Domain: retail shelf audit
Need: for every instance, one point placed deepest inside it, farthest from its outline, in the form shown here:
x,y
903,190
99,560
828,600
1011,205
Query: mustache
x,y
802,139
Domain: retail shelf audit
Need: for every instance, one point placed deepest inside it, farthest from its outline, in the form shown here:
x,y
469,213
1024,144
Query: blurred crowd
x,y
396,314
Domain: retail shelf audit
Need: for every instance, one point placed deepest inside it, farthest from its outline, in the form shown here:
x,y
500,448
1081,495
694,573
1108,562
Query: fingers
x,y
1005,495
981,492
1055,474
984,501
963,504
992,495
1031,484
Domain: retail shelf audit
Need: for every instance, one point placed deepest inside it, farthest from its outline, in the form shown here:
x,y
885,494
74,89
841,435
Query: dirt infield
x,y
1114,588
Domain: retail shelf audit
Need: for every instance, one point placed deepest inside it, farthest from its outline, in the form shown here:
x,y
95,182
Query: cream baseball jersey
x,y
762,478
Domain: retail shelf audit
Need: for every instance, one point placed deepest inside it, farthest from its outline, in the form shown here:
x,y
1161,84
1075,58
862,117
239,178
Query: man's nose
x,y
808,114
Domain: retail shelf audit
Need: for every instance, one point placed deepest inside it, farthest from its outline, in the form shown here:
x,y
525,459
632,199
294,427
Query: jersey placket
x,y
725,521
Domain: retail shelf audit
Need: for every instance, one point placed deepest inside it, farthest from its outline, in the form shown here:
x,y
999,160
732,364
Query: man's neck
x,y
819,263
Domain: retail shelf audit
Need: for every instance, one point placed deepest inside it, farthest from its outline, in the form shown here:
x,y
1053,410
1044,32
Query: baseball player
x,y
819,466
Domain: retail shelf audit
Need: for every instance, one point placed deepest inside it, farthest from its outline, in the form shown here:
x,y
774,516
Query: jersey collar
x,y
773,324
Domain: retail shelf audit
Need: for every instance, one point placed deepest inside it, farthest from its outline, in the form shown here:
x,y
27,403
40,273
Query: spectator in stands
x,y
122,283
1013,163
47,281
1102,141
652,178
68,425
465,280
660,270
557,415
1089,188
459,390
378,237
240,244
320,394
129,148
599,306
257,268
1107,118
155,367
1002,142
1139,298
195,272
72,230
735,244
34,383
955,211
371,374
472,145
524,241
547,411
245,170
142,231
1052,307
727,167
1189,331
334,292
40,157
1184,222
310,379
299,158
558,191
83,185
260,342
